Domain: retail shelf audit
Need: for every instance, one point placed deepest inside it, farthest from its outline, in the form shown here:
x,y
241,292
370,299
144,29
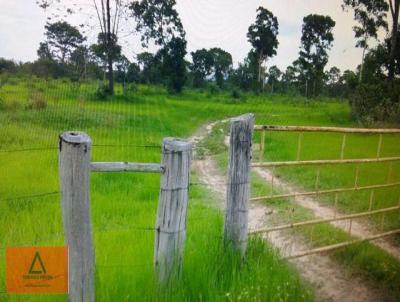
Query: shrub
x,y
235,94
374,102
37,102
102,91
12,105
212,90
130,89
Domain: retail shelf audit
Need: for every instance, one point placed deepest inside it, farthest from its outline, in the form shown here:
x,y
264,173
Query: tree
x,y
316,40
61,40
172,58
334,82
44,52
349,80
7,66
222,63
371,16
108,13
263,37
149,66
133,74
246,72
333,76
290,77
157,20
122,66
80,60
201,67
394,11
274,77
105,51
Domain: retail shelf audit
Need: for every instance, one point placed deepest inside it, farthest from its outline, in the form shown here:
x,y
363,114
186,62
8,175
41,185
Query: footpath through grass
x,y
130,128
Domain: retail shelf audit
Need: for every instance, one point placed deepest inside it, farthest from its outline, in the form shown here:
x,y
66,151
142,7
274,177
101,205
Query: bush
x,y
374,102
12,105
130,89
212,90
37,102
235,94
102,91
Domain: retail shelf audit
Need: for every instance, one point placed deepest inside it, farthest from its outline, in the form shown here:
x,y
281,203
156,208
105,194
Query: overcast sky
x,y
208,23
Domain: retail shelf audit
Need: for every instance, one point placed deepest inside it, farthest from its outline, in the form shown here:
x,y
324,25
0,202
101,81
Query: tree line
x,y
66,53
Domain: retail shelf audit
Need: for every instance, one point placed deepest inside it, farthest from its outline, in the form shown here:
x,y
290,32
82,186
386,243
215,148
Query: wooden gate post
x,y
74,170
172,208
238,186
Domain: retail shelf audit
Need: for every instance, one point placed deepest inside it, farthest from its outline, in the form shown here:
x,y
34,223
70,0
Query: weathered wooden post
x,y
238,187
74,169
172,208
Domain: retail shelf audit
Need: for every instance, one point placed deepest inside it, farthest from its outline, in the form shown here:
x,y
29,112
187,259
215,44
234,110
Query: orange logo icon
x,y
37,270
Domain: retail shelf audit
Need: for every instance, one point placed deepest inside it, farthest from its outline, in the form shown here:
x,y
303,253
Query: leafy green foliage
x,y
316,40
201,67
262,35
105,49
173,64
157,20
222,62
61,40
370,15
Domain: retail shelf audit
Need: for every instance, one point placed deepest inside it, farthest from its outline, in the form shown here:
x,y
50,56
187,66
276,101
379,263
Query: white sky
x,y
208,23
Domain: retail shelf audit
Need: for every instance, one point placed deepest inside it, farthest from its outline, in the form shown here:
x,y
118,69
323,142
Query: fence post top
x,y
176,144
241,118
75,137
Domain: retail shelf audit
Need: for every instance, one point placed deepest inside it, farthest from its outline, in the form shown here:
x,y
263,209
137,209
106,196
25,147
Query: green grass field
x,y
32,115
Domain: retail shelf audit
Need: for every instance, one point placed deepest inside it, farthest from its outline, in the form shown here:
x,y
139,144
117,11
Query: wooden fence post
x,y
238,187
172,208
74,170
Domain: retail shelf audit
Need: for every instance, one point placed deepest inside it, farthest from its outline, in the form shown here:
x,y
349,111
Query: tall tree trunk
x,y
109,50
363,59
314,87
306,88
259,70
395,15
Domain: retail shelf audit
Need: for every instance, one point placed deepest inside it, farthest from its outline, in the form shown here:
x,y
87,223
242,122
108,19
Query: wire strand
x,y
31,196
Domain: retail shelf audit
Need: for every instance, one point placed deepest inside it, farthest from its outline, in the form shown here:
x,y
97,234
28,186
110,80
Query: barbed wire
x,y
49,238
111,266
31,196
149,146
27,149
126,228
154,146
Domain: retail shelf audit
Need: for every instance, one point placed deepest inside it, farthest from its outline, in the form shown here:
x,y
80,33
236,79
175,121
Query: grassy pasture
x,y
123,204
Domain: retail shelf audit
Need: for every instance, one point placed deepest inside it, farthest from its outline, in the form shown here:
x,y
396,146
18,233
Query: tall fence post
x,y
172,208
74,170
238,187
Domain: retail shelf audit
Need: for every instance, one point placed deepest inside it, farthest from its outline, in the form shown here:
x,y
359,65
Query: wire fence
x,y
34,196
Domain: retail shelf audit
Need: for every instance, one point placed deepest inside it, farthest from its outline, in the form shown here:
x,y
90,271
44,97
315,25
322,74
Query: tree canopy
x,y
61,40
316,40
263,37
157,20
